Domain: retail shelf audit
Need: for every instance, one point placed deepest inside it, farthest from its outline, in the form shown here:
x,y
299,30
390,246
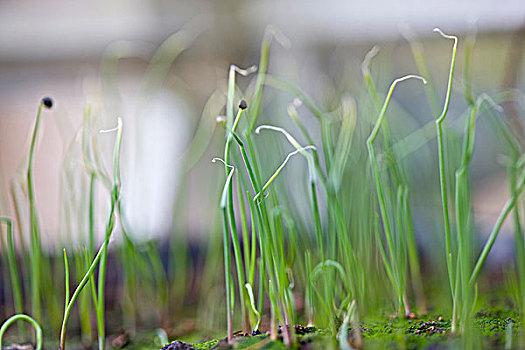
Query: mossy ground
x,y
495,328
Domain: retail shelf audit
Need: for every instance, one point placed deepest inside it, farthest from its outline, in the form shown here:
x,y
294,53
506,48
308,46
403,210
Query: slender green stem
x,y
263,224
442,170
231,93
269,33
272,254
380,191
13,267
27,318
231,126
245,233
76,293
421,62
226,247
91,280
66,280
415,269
91,218
36,250
278,170
496,229
313,187
84,301
115,193
404,225
253,248
232,222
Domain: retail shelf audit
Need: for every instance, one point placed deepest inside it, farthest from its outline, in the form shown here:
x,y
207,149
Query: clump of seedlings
x,y
316,217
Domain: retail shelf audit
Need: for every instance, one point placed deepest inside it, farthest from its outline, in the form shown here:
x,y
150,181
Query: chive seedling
x,y
226,245
36,250
395,251
312,176
22,317
276,261
115,199
271,32
101,255
13,268
404,221
421,63
231,126
443,178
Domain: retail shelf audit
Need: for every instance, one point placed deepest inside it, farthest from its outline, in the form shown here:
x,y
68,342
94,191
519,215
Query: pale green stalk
x,y
271,251
84,301
115,192
270,33
415,270
313,178
226,247
245,233
232,223
496,229
463,222
263,223
16,194
252,305
231,126
400,183
27,318
442,174
329,304
231,93
278,261
380,191
36,250
40,265
13,269
253,249
115,198
278,171
419,57
66,280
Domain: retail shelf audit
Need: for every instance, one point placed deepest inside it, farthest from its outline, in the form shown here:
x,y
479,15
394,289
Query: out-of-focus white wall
x,y
57,30
55,47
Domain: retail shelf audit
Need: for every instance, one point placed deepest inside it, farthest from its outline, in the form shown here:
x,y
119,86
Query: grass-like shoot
x,y
22,317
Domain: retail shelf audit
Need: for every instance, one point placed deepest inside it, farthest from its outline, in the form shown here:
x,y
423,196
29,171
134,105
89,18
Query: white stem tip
x,y
453,37
119,126
410,76
242,71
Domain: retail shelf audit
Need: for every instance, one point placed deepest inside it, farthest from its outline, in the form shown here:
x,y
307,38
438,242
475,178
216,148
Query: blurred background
x,y
103,56
57,48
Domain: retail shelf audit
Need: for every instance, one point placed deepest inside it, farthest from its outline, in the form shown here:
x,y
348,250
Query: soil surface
x,y
492,329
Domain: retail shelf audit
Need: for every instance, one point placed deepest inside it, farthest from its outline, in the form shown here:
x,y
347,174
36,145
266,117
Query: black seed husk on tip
x,y
243,104
47,101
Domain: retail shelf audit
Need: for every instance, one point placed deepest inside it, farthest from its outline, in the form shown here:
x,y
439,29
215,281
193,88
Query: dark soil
x,y
492,329
178,345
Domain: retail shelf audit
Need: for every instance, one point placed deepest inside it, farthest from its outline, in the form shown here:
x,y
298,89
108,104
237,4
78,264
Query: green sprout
x,y
101,256
443,178
36,250
395,251
13,267
22,317
226,246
